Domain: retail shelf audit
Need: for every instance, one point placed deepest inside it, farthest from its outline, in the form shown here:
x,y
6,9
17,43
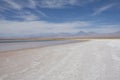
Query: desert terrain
x,y
96,59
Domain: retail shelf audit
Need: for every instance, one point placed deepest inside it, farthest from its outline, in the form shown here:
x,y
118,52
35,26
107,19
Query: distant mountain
x,y
92,33
82,33
118,32
64,35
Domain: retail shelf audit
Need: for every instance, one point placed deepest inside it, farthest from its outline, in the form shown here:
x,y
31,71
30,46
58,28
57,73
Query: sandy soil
x,y
92,60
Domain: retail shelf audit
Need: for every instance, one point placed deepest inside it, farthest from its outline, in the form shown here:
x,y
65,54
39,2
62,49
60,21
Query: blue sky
x,y
26,17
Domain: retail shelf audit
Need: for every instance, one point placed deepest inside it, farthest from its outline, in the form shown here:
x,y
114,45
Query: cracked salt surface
x,y
92,60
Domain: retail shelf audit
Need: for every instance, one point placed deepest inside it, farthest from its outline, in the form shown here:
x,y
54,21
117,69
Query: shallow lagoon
x,y
6,45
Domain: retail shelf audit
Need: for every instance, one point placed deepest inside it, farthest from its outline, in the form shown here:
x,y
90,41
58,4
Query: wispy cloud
x,y
16,10
23,15
13,4
62,3
56,3
32,3
19,4
103,8
41,3
30,16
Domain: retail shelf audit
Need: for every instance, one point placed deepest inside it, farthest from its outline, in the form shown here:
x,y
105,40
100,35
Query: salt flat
x,y
92,60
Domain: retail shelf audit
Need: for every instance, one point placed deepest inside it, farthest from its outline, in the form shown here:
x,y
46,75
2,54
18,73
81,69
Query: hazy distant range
x,y
80,34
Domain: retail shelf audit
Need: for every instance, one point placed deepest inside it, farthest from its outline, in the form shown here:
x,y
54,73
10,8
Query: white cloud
x,y
103,8
105,28
42,27
37,27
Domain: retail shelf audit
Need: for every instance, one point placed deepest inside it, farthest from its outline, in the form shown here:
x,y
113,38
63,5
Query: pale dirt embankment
x,y
92,60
